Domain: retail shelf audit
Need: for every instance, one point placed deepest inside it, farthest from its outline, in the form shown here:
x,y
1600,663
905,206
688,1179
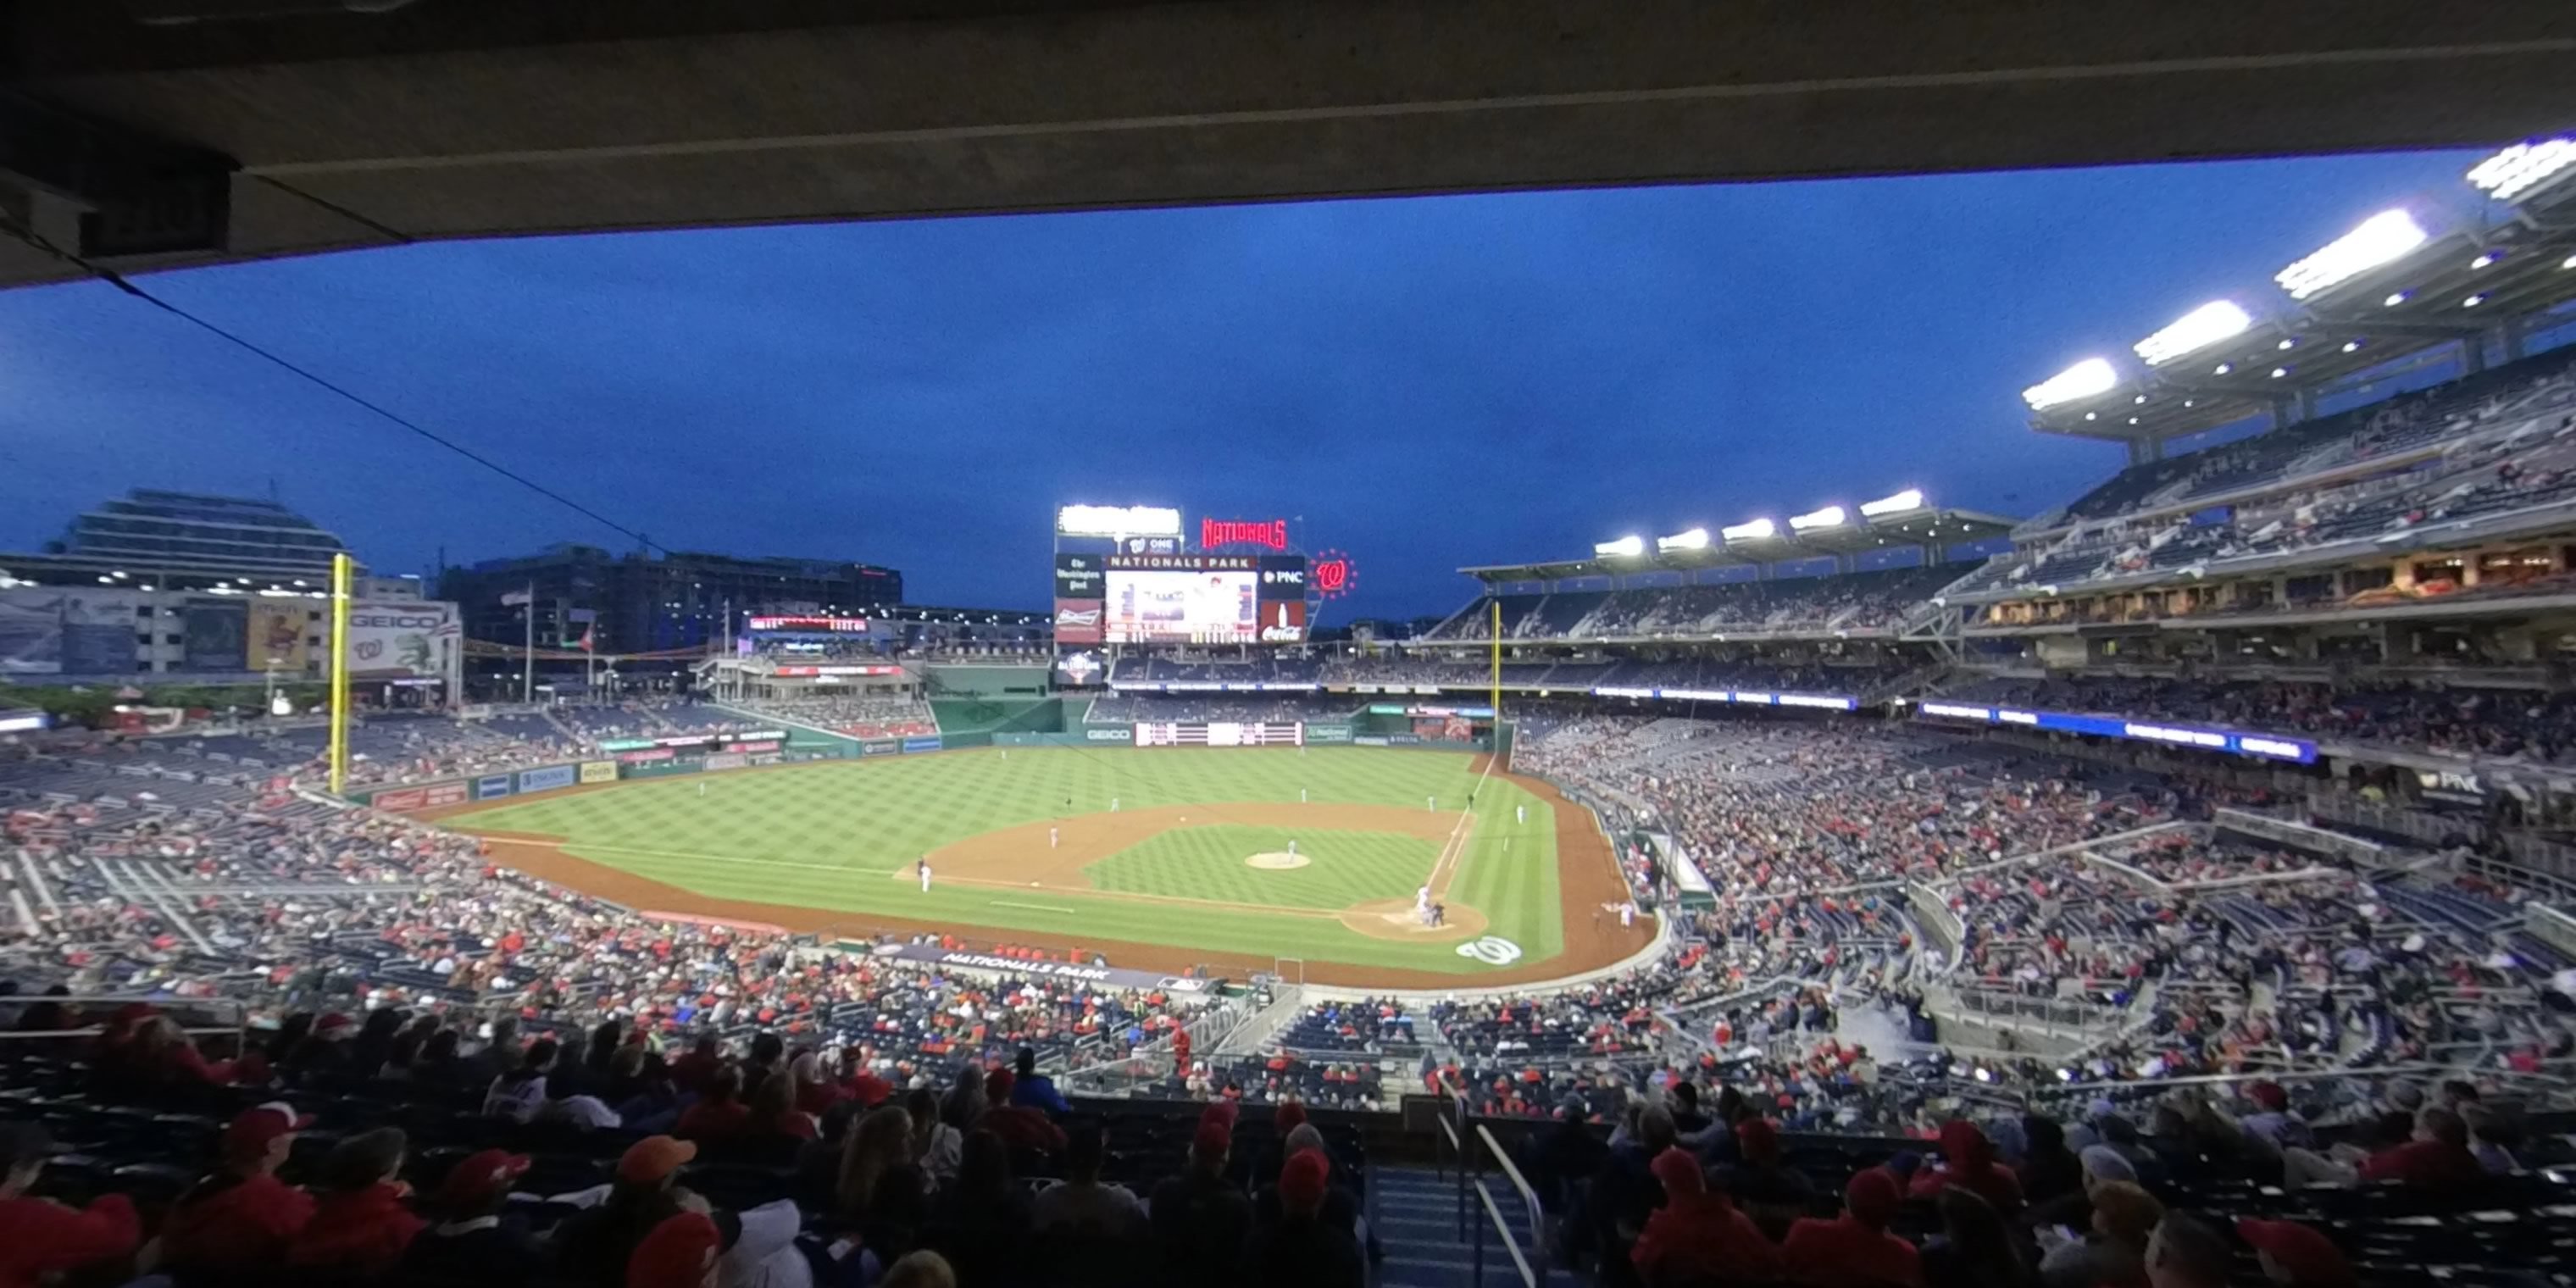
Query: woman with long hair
x,y
720,1117
965,1101
774,1115
880,1143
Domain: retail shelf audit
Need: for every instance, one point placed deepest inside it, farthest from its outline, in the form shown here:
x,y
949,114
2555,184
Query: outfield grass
x,y
831,835
1343,868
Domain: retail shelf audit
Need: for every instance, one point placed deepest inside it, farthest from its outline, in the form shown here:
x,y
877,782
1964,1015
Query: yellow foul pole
x,y
1495,699
341,568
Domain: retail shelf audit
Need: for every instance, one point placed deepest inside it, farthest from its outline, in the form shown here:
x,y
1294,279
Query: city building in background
x,y
150,539
644,603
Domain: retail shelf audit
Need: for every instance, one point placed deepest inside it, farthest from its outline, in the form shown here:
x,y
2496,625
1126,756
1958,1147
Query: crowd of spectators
x,y
2459,719
1840,604
873,716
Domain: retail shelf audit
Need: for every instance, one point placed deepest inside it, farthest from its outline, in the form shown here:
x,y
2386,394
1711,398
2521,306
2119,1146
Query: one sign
x,y
1117,521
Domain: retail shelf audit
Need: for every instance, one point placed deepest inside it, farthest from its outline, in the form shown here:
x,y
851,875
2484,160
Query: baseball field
x,y
1223,859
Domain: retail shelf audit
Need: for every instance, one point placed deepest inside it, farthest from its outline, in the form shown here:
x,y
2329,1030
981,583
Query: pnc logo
x,y
1232,532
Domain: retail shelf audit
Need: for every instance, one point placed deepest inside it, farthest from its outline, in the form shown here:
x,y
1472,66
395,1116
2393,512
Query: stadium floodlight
x,y
2087,379
1695,539
1831,516
2384,238
1117,521
2524,168
1627,547
2194,331
1909,499
1750,530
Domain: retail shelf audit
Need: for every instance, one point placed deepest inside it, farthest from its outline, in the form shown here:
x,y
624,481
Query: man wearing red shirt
x,y
1697,1235
242,1218
39,1237
1016,1124
2438,1156
360,1226
1855,1248
1971,1166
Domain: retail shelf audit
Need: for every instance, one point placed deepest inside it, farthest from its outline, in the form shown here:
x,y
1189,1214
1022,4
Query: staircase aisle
x,y
1414,1212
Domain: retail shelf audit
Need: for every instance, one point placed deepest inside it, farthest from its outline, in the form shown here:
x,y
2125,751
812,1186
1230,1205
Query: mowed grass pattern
x,y
1343,868
829,835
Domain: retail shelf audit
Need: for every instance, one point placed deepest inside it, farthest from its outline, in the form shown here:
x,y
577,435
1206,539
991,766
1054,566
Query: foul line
x,y
1033,907
1453,852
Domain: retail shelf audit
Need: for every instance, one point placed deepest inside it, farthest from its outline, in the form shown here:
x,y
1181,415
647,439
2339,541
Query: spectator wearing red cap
x,y
1971,1165
477,1239
240,1220
593,1247
1018,1125
360,1227
2273,1119
1200,1220
2295,1255
40,1238
1697,1235
679,1252
1855,1248
1301,1249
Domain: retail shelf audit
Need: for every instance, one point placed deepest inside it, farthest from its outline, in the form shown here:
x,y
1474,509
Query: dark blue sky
x,y
1429,383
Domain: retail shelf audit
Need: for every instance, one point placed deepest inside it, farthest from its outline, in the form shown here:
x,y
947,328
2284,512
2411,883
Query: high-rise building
x,y
183,541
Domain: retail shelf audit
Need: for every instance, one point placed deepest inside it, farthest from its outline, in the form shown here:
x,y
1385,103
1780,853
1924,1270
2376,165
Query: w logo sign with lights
x,y
1492,950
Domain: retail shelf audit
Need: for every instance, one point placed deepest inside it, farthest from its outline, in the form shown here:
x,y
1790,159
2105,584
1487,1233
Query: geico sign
x,y
397,621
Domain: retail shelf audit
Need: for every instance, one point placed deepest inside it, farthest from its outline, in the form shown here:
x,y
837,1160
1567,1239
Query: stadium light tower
x,y
2384,238
1909,499
1695,539
2194,331
2525,170
1831,516
1627,547
1750,530
2090,378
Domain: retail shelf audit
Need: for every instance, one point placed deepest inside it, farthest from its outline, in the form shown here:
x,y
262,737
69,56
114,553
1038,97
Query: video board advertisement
x,y
1196,606
1219,734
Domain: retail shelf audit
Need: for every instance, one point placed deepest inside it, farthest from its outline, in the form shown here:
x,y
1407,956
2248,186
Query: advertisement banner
x,y
599,771
402,799
1328,733
1108,733
753,748
401,641
215,635
881,747
645,756
277,636
1217,734
1078,577
1077,621
922,744
491,787
99,629
726,760
445,793
547,779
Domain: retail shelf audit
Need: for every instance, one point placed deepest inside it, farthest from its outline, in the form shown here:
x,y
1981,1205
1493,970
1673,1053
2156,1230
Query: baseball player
x,y
922,866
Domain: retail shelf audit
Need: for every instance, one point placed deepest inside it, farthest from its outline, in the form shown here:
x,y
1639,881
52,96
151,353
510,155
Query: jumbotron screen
x,y
1200,606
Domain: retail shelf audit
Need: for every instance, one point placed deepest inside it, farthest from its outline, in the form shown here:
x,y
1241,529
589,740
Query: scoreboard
x,y
1219,734
1130,598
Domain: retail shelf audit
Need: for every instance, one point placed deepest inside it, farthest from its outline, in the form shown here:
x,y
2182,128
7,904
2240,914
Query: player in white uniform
x,y
1050,838
923,867
1422,901
1292,847
1520,813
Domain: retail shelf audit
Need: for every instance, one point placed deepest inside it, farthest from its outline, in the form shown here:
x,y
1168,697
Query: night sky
x,y
1427,383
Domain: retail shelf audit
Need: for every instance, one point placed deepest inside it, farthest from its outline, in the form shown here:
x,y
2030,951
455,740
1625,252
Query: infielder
x,y
1050,838
922,866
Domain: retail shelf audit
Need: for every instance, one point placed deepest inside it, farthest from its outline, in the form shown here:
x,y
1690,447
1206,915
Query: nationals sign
x,y
1243,532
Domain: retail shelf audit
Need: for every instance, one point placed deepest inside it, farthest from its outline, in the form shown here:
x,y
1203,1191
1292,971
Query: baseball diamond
x,y
1164,859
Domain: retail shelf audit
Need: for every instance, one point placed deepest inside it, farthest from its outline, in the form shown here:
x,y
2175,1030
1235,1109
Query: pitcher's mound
x,y
1277,861
1395,919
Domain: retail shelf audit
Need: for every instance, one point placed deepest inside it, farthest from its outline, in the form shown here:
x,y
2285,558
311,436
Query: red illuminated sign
x,y
1240,532
1332,576
846,624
